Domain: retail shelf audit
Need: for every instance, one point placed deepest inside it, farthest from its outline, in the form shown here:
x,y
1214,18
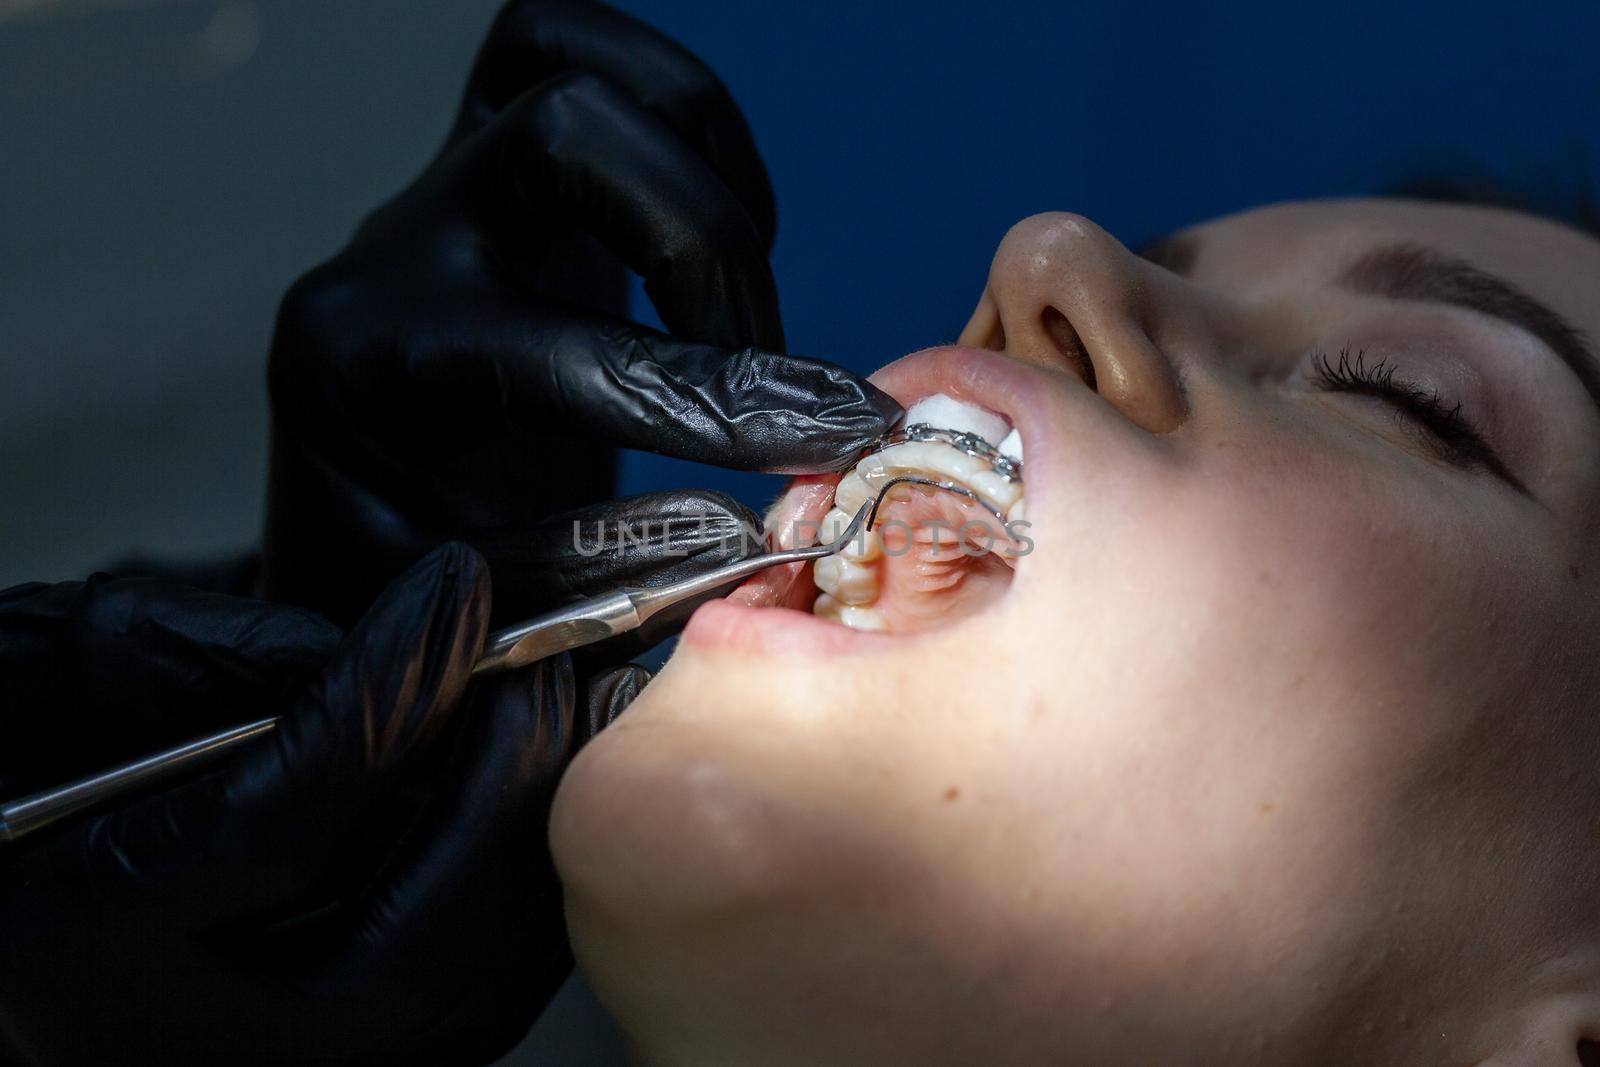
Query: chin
x,y
719,800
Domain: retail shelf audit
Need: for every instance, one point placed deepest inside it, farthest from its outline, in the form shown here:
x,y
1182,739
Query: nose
x,y
1062,292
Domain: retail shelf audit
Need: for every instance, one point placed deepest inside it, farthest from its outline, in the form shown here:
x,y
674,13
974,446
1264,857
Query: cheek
x,y
1243,648
1260,564
1185,734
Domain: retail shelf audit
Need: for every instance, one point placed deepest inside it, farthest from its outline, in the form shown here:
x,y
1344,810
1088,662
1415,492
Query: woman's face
x,y
1278,746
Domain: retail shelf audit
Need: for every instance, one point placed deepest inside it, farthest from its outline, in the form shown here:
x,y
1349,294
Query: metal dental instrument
x,y
932,483
573,626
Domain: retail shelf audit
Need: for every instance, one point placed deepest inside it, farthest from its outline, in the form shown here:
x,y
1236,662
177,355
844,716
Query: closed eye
x,y
1450,434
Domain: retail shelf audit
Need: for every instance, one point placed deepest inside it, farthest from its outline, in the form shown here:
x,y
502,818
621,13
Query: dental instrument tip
x,y
871,507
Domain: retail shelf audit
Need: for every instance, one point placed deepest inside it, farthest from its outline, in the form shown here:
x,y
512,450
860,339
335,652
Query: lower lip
x,y
729,627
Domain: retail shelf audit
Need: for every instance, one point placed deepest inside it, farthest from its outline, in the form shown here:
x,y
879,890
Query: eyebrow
x,y
1176,252
1405,271
1415,272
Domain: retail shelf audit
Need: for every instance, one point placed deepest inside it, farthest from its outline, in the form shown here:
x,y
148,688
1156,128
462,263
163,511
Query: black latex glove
x,y
368,884
459,370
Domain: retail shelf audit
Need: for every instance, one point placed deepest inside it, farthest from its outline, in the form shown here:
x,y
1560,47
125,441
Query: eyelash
x,y
1459,440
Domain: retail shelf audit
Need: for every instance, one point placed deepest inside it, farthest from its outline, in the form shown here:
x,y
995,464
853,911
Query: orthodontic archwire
x,y
934,483
970,443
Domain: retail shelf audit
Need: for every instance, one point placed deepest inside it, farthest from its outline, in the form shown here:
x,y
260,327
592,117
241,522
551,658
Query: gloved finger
x,y
102,670
235,573
533,40
638,541
594,378
580,145
465,923
643,541
608,693
506,365
254,833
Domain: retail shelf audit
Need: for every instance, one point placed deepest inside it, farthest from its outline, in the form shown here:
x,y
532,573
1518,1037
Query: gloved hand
x,y
459,370
368,884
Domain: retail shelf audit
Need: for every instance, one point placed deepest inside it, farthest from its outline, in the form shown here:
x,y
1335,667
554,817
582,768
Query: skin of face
x,y
1280,747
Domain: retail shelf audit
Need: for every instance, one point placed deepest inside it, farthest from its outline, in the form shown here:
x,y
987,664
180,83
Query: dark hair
x,y
1563,194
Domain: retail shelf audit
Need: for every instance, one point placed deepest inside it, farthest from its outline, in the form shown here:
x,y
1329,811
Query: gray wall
x,y
166,169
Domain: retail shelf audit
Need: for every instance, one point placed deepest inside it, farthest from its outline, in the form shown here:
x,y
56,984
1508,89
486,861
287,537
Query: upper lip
x,y
976,375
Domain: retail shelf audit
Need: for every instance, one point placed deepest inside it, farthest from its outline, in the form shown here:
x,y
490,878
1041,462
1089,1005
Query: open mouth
x,y
946,537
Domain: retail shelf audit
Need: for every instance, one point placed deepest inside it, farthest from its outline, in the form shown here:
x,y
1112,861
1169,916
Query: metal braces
x,y
970,443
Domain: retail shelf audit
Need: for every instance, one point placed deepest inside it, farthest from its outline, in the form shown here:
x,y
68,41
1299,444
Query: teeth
x,y
1011,446
857,618
851,493
952,414
833,524
933,458
852,583
864,547
850,580
995,489
922,457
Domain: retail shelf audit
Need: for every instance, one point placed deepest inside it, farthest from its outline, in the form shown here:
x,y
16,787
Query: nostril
x,y
1065,338
996,339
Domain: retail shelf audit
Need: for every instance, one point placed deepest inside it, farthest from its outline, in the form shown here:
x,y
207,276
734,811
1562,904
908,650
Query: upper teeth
x,y
849,581
1011,445
952,414
939,460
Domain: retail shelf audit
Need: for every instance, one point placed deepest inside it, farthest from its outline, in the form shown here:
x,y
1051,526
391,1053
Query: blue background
x,y
904,139
167,167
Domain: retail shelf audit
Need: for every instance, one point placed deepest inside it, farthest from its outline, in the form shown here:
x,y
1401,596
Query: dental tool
x,y
932,483
583,623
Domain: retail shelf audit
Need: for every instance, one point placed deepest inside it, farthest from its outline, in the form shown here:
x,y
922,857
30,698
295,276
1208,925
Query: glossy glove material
x,y
461,369
96,672
369,884
643,540
638,542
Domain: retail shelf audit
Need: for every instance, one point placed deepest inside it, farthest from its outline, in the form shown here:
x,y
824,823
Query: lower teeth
x,y
853,616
